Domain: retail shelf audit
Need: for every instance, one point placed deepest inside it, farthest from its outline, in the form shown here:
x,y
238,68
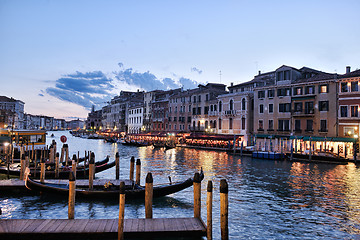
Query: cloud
x,y
194,69
148,81
96,88
84,89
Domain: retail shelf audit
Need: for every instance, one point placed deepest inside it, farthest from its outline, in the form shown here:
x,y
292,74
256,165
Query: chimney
x,y
231,84
348,69
259,72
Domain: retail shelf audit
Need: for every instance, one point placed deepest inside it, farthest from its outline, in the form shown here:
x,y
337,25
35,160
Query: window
x,y
354,86
309,125
343,111
310,90
230,123
189,108
298,91
354,111
284,92
309,107
324,88
194,111
175,119
284,107
297,125
261,125
220,123
206,124
199,111
298,107
271,124
206,110
271,93
323,126
231,105
215,108
194,99
283,75
344,87
199,98
207,97
323,105
211,108
243,104
284,125
220,106
261,108
243,123
175,109
261,94
271,108
189,120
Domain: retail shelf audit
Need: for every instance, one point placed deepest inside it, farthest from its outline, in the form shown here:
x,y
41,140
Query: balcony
x,y
309,130
302,112
283,130
197,129
230,112
260,130
213,113
322,130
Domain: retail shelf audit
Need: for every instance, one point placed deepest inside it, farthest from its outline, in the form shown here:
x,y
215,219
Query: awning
x,y
343,139
302,98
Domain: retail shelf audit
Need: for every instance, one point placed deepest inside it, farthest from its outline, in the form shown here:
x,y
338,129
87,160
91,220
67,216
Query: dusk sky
x,y
60,57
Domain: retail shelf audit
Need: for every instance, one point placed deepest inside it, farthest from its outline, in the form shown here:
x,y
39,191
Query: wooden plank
x,y
109,224
114,227
53,225
102,225
61,226
24,226
90,225
4,226
158,225
68,226
80,227
141,225
19,225
34,223
42,225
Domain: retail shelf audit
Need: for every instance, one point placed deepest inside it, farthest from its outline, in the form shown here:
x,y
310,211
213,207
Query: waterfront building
x,y
236,114
32,122
148,99
348,107
160,110
11,113
94,119
115,114
75,124
295,106
135,117
203,101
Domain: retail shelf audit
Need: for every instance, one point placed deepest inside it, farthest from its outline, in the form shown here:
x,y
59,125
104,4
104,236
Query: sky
x,y
61,57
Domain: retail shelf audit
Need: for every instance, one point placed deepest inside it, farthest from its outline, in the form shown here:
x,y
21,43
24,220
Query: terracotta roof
x,y
318,77
6,99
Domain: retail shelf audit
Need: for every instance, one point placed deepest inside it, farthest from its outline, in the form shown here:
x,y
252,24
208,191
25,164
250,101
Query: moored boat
x,y
111,192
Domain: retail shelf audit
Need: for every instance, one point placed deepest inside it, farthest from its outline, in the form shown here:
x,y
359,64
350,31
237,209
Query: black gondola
x,y
132,192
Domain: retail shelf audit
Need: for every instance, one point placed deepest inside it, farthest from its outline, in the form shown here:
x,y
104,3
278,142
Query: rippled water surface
x,y
267,199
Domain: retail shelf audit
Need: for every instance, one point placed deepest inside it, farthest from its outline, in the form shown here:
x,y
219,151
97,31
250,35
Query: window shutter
x,y
327,88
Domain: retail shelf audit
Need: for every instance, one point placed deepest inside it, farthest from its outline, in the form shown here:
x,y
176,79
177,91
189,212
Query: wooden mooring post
x,y
197,195
117,165
71,204
91,170
132,166
73,165
22,168
42,170
148,196
57,165
224,210
209,210
121,211
138,171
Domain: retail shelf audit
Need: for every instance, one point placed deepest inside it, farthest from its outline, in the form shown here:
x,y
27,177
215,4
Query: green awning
x,y
296,137
262,135
4,139
343,139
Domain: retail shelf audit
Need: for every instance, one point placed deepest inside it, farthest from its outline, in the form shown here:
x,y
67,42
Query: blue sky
x,y
59,57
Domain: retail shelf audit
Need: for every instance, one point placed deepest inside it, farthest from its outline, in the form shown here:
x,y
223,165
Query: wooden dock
x,y
100,228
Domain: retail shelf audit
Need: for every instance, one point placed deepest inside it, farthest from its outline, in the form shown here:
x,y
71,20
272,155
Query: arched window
x,y
243,104
198,125
206,124
219,123
220,106
231,105
214,124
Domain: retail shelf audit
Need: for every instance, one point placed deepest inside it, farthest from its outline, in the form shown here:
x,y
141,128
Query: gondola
x,y
131,192
64,172
328,158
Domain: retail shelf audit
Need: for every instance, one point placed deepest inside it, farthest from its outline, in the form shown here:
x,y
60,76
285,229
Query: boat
x,y
268,155
158,144
319,157
64,171
110,191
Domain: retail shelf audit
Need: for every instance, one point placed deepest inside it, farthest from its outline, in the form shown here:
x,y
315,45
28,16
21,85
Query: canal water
x,y
267,199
